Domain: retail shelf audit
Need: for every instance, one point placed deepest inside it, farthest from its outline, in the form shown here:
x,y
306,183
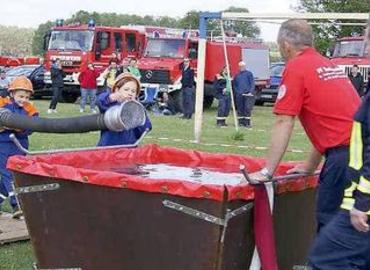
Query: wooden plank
x,y
12,230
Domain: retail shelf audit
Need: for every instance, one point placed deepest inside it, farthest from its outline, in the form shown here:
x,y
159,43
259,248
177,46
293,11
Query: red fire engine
x,y
10,61
77,45
161,63
349,51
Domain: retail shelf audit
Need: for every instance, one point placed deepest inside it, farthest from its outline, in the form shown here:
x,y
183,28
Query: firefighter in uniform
x,y
222,86
345,242
244,95
323,98
20,90
187,89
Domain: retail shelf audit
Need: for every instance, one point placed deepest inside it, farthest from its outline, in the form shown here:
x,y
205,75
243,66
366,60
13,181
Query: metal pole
x,y
304,16
229,76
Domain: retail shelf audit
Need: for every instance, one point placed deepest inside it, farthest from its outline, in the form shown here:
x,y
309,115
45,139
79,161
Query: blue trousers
x,y
340,246
91,93
6,179
188,101
332,182
244,106
57,92
224,105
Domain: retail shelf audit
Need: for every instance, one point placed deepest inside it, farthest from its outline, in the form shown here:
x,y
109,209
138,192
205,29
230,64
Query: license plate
x,y
266,96
67,63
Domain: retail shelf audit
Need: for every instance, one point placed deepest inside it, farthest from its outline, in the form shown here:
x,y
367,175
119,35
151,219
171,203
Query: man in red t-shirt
x,y
87,79
324,100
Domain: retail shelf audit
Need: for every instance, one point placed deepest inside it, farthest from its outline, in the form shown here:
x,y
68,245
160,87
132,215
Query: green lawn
x,y
167,131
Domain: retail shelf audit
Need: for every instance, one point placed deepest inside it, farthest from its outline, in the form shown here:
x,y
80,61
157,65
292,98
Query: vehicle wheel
x,y
259,103
68,98
207,102
36,96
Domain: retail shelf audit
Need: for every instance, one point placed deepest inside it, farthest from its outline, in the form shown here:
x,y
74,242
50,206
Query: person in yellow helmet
x,y
18,101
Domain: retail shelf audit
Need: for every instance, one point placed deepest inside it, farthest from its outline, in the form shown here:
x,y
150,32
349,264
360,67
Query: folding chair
x,y
150,97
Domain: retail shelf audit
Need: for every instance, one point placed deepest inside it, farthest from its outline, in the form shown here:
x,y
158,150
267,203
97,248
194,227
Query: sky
x,y
31,13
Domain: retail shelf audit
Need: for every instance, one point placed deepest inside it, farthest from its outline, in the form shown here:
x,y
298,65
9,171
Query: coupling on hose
x,y
127,115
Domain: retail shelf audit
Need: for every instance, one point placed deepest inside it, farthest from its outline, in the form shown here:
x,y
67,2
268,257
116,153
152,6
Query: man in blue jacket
x,y
244,95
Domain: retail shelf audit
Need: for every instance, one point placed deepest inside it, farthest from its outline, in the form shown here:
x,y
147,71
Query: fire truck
x,y
10,61
77,45
349,51
161,63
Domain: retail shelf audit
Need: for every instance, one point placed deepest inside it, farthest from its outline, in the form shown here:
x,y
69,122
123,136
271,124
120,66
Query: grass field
x,y
167,131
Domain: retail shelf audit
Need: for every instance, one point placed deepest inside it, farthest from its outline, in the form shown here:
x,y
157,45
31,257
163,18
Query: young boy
x,y
20,91
126,87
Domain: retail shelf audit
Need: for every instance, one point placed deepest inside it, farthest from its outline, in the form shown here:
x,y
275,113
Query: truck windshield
x,y
173,48
71,40
349,48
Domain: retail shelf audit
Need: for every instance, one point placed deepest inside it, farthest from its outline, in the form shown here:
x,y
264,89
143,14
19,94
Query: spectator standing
x,y
87,79
357,80
4,84
111,73
187,89
57,74
20,91
222,87
133,69
244,89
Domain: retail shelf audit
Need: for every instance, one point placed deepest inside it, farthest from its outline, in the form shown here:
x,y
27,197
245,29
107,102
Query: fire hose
x,y
125,116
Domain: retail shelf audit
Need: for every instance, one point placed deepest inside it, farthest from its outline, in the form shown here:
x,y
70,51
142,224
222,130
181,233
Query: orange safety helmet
x,y
21,83
124,77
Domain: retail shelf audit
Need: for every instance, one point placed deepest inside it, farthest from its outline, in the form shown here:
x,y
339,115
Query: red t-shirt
x,y
321,95
87,79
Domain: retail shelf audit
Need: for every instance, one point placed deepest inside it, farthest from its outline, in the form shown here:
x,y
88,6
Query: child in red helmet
x,y
20,91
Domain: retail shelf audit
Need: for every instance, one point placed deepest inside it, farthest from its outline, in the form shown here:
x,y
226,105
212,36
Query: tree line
x,y
189,21
26,41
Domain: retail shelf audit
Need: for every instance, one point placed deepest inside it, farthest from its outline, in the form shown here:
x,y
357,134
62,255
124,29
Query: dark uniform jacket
x,y
57,76
358,193
358,83
187,79
244,82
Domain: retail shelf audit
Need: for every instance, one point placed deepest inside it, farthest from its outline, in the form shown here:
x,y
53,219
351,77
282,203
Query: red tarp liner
x,y
83,166
264,229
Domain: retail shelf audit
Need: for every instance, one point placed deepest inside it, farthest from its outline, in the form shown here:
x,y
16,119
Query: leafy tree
x,y
15,41
189,21
325,33
38,38
247,29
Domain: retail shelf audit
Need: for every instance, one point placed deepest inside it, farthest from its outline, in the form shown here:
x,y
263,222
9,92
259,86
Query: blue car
x,y
269,93
36,75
